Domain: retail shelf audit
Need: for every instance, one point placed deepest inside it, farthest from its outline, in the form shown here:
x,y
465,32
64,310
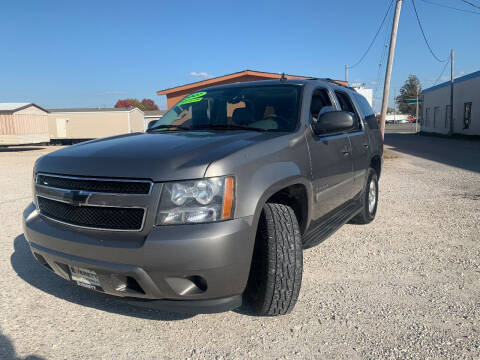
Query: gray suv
x,y
214,204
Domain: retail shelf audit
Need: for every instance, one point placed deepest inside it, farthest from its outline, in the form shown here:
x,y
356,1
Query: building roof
x,y
92,110
155,112
457,80
233,76
10,108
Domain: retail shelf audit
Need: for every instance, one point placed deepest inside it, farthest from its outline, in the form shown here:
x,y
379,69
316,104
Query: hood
x,y
157,156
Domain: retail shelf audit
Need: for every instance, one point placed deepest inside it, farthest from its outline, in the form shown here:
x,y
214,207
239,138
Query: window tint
x,y
367,111
270,108
320,104
347,105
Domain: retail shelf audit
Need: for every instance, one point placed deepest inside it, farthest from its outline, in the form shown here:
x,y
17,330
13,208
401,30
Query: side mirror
x,y
151,124
333,121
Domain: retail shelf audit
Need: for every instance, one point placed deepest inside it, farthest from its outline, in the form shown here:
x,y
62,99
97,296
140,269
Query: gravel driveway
x,y
405,286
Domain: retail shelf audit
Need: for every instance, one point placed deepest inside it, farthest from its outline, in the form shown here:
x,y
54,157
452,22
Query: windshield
x,y
263,108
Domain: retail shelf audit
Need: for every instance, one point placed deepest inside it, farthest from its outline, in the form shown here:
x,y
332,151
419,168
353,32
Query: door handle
x,y
346,152
365,145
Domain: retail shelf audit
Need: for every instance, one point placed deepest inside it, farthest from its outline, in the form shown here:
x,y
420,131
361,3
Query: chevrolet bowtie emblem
x,y
76,197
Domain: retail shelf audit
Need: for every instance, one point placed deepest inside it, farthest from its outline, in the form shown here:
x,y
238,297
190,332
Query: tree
x,y
149,104
127,103
407,92
144,105
124,103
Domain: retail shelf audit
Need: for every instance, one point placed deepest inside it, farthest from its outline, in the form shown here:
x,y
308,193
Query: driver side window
x,y
320,104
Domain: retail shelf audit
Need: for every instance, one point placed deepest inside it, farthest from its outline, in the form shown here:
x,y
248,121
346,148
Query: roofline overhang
x,y
8,112
206,82
93,111
460,79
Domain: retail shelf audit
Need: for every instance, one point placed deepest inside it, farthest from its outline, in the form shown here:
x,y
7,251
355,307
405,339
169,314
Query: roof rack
x,y
334,82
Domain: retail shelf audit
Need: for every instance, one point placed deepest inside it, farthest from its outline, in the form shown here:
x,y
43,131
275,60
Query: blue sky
x,y
91,53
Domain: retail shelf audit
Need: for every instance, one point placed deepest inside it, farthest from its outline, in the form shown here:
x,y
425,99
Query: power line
x,y
441,74
472,4
374,38
380,66
451,7
382,59
424,36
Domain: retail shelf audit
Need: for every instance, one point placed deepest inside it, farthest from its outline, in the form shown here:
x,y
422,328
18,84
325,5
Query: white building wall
x,y
367,93
396,117
31,110
466,89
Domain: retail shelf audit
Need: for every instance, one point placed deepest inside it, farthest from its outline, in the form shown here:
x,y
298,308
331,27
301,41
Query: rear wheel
x,y
369,200
277,263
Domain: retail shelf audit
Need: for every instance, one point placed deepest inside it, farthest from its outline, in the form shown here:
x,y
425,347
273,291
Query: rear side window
x,y
320,104
347,105
367,112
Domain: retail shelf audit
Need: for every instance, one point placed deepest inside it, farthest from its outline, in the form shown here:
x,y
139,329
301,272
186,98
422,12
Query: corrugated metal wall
x,y
92,125
23,124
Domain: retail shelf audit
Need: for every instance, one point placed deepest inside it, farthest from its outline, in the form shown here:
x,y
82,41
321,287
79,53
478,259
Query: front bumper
x,y
201,267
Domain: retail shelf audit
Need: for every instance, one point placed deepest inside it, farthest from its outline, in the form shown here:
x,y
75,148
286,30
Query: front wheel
x,y
277,263
369,200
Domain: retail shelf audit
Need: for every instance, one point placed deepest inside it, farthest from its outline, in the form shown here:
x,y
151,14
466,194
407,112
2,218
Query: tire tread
x,y
285,260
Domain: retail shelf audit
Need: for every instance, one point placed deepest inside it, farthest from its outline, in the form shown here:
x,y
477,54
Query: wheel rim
x,y
372,196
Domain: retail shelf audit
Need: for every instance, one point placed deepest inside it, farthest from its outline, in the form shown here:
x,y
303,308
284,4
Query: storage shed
x,y
78,124
153,115
23,123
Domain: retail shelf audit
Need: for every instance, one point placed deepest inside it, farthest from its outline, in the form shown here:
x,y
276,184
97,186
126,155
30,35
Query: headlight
x,y
196,201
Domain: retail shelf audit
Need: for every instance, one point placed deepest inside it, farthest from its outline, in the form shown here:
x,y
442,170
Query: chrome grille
x,y
92,216
95,203
95,185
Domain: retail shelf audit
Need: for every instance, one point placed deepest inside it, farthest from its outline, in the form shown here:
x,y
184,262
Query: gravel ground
x,y
406,286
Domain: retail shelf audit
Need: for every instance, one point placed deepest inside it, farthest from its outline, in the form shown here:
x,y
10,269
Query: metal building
x,y
466,106
74,125
23,123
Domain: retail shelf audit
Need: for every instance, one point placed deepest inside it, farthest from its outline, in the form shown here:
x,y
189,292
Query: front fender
x,y
253,190
264,169
270,180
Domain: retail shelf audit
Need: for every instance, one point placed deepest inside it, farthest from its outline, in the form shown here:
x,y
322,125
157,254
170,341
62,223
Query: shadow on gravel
x,y
459,153
19,149
33,273
7,350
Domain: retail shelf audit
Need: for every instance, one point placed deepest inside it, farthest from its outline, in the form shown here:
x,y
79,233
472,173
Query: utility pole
x,y
416,114
452,67
388,73
346,74
394,106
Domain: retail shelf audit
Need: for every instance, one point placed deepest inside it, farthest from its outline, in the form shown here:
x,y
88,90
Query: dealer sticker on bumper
x,y
85,277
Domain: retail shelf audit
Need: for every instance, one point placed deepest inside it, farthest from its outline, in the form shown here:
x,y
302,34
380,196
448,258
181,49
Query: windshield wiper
x,y
228,127
163,127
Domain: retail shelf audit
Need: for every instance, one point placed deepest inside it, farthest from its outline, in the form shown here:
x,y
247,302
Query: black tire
x,y
367,214
277,263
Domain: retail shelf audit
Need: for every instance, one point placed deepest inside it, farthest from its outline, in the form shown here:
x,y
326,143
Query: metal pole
x,y
416,115
388,73
346,74
452,67
394,106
